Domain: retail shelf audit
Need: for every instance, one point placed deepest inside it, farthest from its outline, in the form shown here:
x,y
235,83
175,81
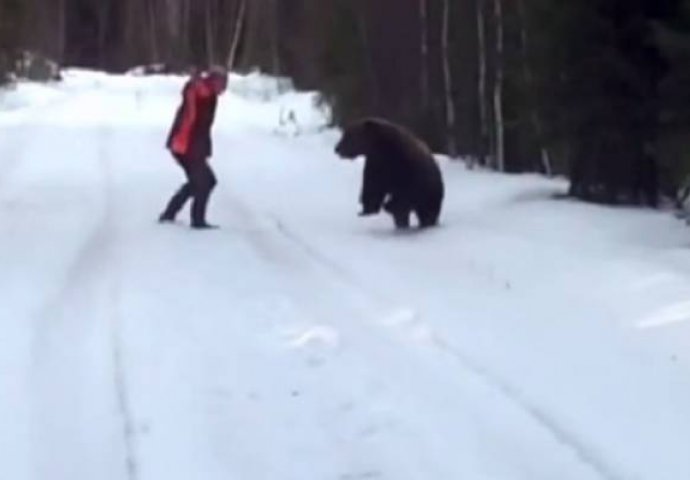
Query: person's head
x,y
218,79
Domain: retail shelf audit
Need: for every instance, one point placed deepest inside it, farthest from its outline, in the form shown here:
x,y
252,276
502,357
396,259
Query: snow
x,y
528,337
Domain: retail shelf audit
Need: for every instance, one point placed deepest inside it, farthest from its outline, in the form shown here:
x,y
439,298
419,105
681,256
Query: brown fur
x,y
400,173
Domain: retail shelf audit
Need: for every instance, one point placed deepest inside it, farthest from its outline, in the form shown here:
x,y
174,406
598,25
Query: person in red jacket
x,y
190,143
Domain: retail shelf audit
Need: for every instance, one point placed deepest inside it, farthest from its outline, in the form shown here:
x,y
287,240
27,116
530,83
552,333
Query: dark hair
x,y
218,73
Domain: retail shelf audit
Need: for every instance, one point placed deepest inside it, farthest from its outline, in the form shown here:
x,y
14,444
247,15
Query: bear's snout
x,y
345,150
341,151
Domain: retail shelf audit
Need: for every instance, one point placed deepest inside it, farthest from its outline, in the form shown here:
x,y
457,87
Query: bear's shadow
x,y
412,232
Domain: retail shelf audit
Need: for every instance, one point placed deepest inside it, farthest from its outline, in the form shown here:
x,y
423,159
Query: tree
x,y
238,28
424,92
11,15
482,61
448,82
345,75
499,124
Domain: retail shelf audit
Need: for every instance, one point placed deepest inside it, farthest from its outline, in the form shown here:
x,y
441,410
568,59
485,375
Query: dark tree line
x,y
593,89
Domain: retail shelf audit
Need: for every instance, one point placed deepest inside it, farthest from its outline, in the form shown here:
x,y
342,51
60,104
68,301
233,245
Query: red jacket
x,y
190,135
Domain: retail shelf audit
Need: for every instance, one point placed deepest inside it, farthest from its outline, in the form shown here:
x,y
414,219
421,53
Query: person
x,y
189,141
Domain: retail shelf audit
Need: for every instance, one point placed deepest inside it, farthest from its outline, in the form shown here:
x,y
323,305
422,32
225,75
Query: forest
x,y
595,90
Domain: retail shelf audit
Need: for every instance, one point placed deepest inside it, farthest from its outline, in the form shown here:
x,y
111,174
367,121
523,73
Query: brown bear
x,y
400,173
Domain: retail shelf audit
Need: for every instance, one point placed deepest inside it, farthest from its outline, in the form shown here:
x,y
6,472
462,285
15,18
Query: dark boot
x,y
166,218
204,226
176,203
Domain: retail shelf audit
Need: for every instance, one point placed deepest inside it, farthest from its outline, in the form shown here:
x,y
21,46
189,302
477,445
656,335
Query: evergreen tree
x,y
673,34
345,75
10,17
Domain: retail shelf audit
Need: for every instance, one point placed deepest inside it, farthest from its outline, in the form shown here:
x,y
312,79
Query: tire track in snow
x,y
91,288
586,454
311,332
114,295
325,262
259,236
123,400
559,433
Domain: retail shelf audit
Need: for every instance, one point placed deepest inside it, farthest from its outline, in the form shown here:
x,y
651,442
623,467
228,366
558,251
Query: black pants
x,y
200,183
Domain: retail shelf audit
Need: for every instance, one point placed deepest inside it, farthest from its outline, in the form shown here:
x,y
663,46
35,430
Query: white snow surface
x,y
527,338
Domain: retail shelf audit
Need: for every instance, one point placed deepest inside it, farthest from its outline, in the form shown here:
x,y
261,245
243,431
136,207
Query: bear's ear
x,y
369,125
368,122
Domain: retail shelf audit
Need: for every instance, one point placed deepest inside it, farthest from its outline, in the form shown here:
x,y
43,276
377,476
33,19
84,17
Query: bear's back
x,y
411,161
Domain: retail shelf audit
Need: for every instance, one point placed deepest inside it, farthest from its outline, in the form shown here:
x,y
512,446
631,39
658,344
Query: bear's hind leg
x,y
428,217
399,210
401,219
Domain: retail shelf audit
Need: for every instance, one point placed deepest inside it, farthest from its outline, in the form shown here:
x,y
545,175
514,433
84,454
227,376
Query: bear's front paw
x,y
369,210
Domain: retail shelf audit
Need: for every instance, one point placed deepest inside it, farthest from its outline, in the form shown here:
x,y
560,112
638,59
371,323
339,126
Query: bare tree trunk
x,y
135,23
275,53
498,88
424,40
481,87
369,62
172,30
237,34
173,9
61,31
210,31
153,37
448,83
186,30
102,32
528,77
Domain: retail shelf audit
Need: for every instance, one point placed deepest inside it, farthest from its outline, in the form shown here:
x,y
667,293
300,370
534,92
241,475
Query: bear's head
x,y
356,140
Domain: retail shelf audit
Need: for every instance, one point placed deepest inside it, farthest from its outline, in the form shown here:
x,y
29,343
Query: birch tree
x,y
498,88
482,82
528,80
209,15
424,48
237,32
448,82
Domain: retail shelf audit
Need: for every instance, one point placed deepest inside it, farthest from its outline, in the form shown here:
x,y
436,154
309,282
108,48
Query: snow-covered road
x,y
526,339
